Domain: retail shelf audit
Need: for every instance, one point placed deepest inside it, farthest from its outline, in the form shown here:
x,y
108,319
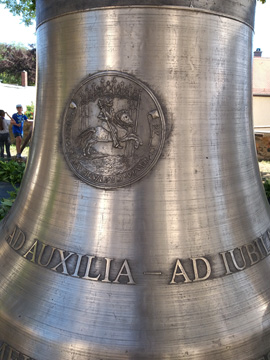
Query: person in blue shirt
x,y
17,122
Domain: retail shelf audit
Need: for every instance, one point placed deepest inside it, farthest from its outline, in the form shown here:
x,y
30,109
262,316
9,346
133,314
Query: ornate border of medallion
x,y
113,130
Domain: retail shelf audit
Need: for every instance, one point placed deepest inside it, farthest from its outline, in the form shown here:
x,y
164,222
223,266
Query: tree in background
x,y
27,8
30,109
15,59
24,8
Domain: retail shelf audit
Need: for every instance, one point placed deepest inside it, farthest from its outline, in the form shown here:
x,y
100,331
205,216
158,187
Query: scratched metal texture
x,y
204,196
243,9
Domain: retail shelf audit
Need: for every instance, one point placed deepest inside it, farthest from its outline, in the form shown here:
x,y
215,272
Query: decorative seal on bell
x,y
113,130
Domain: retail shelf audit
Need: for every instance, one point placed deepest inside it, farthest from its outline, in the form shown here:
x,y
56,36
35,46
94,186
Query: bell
x,y
141,230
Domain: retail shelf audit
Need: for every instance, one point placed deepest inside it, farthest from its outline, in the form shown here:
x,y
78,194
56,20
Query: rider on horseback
x,y
107,116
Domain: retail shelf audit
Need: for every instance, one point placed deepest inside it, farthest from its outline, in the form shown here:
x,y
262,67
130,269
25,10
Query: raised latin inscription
x,y
84,266
233,260
7,352
108,270
196,264
240,258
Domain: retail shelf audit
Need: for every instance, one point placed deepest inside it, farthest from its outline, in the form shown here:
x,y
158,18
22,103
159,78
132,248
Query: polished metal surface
x,y
242,10
152,242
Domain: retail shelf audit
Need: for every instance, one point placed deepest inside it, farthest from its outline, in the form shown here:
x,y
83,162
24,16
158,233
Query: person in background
x,y
17,122
4,135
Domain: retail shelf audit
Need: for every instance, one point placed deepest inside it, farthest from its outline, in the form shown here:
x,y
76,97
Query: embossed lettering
x,y
225,261
240,258
94,268
79,267
78,264
41,254
234,256
17,239
25,357
107,270
32,251
88,267
63,262
13,354
201,268
253,254
264,246
258,242
125,267
195,267
178,265
9,353
232,253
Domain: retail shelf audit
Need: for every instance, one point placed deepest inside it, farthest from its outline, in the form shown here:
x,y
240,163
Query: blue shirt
x,y
20,119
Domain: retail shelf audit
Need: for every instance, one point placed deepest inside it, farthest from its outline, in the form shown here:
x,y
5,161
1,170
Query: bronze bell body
x,y
141,230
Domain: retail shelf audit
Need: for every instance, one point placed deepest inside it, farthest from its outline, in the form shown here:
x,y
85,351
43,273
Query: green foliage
x,y
6,204
30,111
10,79
266,185
13,60
24,8
12,171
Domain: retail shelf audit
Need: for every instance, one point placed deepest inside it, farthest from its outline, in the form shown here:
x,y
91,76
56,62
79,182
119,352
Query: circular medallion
x,y
113,130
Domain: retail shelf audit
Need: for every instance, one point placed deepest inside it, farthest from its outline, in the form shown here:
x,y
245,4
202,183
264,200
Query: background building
x,y
11,95
261,92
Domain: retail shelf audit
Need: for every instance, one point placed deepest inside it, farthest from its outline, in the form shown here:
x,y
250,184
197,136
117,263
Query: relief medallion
x,y
113,130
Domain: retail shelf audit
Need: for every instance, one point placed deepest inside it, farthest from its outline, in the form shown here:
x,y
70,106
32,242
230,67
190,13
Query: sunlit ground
x,y
14,152
264,169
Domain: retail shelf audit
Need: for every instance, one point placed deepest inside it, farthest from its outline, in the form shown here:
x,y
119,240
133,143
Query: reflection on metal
x,y
141,230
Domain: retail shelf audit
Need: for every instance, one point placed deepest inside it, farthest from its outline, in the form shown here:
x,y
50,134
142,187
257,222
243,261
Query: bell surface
x,y
141,230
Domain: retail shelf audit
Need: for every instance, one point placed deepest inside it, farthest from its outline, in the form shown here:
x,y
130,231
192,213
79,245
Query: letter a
x,y
17,239
127,273
182,272
32,251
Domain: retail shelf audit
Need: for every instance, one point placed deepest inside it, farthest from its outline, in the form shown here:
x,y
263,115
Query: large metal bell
x,y
141,230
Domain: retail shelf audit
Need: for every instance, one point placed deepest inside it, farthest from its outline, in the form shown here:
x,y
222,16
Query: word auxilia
x,y
109,270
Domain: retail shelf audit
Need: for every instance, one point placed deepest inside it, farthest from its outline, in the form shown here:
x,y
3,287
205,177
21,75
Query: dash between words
x,y
115,271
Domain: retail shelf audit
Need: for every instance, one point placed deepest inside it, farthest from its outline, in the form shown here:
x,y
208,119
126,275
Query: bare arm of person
x,y
9,116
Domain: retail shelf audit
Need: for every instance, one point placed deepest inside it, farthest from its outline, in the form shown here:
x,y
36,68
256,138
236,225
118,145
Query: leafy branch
x,y
12,172
6,204
24,8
